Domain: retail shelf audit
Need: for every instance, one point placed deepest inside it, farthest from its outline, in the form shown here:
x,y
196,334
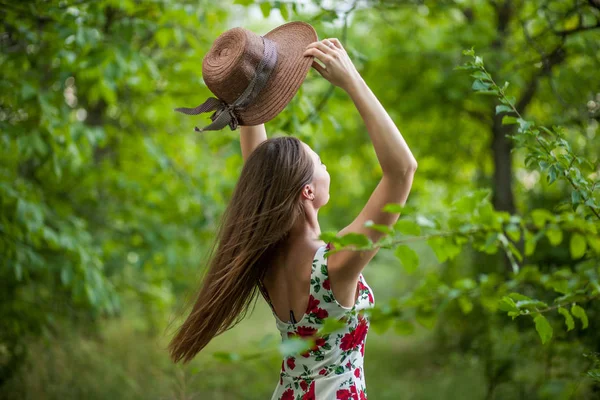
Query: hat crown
x,y
231,63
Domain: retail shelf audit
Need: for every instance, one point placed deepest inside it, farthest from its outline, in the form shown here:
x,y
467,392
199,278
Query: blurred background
x,y
109,201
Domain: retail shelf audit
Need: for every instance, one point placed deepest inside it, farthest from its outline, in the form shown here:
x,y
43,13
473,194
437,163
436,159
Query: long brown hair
x,y
264,206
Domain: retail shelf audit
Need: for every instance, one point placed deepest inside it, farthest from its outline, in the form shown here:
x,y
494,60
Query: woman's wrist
x,y
356,86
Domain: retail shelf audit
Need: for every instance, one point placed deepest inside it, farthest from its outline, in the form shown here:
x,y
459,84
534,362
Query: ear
x,y
308,193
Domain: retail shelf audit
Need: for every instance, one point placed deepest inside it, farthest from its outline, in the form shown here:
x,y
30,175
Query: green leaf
x,y
542,326
393,208
554,235
580,313
294,345
379,227
356,239
480,75
329,236
407,227
531,304
518,296
594,243
513,232
530,243
479,85
502,108
540,217
331,325
285,12
508,120
568,318
577,246
507,304
575,198
465,304
425,222
408,257
265,7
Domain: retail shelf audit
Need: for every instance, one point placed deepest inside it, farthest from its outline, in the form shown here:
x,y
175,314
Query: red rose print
x,y
348,365
361,332
357,372
323,372
291,363
288,395
363,396
312,304
318,343
328,247
354,338
310,395
361,286
343,394
362,349
326,284
306,331
321,313
347,340
371,298
303,385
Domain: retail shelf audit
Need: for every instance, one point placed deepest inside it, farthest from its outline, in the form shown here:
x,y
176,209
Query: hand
x,y
339,69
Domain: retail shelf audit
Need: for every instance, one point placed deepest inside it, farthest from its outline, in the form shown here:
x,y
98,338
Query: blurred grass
x,y
122,361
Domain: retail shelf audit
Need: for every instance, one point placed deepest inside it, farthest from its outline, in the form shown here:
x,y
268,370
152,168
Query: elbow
x,y
412,166
403,171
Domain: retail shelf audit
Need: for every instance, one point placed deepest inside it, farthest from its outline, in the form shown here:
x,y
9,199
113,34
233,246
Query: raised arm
x,y
396,160
250,137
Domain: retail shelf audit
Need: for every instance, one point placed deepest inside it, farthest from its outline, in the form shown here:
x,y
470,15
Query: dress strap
x,y
319,273
265,294
262,288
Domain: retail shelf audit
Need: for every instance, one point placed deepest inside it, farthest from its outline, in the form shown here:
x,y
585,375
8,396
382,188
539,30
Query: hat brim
x,y
290,71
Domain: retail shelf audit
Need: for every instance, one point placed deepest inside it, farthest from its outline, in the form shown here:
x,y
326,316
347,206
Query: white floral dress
x,y
333,367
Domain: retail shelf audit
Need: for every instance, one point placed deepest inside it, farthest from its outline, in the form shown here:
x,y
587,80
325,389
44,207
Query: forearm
x,y
394,156
250,137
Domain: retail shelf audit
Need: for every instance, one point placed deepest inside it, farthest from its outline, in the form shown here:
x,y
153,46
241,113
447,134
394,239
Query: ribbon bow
x,y
224,114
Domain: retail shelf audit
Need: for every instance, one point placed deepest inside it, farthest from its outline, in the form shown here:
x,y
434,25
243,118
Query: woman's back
x,y
333,367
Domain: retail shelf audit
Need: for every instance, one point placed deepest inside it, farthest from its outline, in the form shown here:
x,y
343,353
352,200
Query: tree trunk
x,y
503,198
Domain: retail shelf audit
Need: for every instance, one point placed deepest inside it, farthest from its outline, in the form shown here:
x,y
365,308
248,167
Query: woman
x,y
270,241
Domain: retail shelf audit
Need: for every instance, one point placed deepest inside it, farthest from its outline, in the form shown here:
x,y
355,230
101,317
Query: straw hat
x,y
254,77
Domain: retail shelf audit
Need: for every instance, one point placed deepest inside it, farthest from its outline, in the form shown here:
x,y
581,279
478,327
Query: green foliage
x,y
109,202
473,221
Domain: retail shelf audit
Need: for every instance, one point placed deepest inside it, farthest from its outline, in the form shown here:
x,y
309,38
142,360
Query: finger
x,y
323,47
318,67
336,43
329,44
324,58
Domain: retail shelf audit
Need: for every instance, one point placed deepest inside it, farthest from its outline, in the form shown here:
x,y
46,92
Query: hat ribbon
x,y
227,114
